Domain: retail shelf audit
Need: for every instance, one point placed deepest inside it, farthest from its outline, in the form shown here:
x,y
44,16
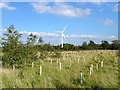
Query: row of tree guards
x,y
91,71
60,67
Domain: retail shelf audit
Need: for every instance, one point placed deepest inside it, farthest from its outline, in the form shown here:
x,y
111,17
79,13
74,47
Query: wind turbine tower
x,y
62,35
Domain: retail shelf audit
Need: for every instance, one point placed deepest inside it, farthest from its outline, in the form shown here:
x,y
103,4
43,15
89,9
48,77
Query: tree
x,y
84,46
91,45
11,46
105,44
31,40
115,44
68,47
47,47
31,48
40,40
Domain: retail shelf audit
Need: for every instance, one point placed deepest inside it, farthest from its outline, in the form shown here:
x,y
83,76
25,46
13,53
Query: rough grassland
x,y
69,75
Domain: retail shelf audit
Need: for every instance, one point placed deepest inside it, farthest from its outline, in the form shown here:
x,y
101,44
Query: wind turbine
x,y
62,35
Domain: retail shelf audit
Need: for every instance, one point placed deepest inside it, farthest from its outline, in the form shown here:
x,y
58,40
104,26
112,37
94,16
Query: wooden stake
x,y
40,70
60,65
51,61
78,60
84,60
32,64
90,70
101,64
25,61
13,67
81,77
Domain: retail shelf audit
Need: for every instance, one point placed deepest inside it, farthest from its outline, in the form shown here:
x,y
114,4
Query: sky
x,y
85,20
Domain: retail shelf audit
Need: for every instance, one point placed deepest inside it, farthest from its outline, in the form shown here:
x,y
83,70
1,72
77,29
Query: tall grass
x,y
68,76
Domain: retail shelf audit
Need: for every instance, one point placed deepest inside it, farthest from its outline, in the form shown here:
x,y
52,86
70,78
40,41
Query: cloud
x,y
46,34
113,37
93,1
73,36
42,34
82,36
61,9
53,36
115,8
6,6
96,1
106,22
59,0
0,31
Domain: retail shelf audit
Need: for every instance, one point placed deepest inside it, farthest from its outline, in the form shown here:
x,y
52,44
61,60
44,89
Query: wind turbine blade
x,y
64,28
58,31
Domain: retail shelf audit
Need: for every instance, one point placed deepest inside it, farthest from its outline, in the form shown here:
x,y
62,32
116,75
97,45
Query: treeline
x,y
91,46
85,46
15,52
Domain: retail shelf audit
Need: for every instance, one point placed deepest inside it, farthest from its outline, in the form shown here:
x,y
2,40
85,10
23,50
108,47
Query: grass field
x,y
72,63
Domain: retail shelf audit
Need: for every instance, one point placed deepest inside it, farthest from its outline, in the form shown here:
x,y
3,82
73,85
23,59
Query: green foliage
x,y
12,47
115,44
92,45
69,47
40,41
15,52
84,46
105,44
